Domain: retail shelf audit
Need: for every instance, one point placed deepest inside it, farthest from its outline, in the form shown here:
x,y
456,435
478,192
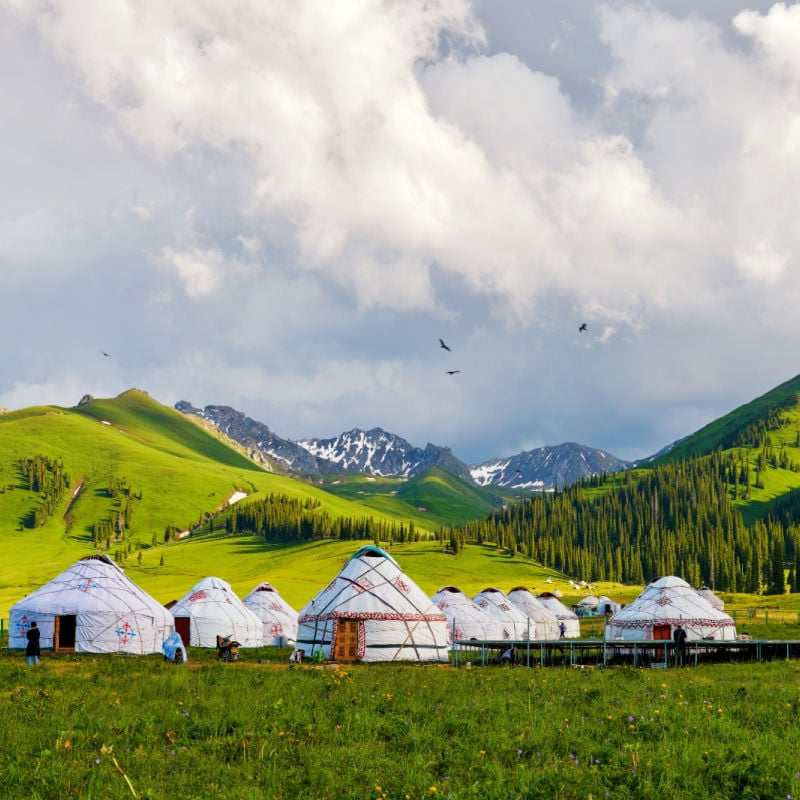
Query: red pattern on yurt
x,y
401,585
387,615
201,595
362,640
363,585
693,621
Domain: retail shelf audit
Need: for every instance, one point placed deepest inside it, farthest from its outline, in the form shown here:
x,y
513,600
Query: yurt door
x,y
661,632
345,648
64,633
183,627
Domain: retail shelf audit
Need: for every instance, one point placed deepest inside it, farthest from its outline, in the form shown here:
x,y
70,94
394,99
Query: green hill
x,y
433,498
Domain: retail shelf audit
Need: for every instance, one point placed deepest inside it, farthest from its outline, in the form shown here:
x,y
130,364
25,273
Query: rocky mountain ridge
x,y
378,452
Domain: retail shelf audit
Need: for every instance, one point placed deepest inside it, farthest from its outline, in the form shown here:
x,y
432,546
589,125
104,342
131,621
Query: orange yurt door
x,y
661,632
345,648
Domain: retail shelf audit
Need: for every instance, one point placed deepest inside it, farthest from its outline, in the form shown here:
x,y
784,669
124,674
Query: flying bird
x,y
442,344
107,355
582,327
453,371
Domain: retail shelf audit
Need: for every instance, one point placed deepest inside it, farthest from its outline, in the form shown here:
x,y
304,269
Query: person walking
x,y
562,630
32,648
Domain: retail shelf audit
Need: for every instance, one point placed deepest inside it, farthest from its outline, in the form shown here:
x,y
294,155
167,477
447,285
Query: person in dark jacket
x,y
32,648
679,637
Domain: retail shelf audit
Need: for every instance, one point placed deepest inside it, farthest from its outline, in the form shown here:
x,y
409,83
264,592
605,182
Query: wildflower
x,y
481,752
377,788
107,749
519,752
433,790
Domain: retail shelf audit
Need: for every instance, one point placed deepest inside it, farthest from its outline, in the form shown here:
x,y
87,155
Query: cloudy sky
x,y
281,207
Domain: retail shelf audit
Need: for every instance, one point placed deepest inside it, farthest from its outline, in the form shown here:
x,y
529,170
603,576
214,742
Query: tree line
x,y
676,519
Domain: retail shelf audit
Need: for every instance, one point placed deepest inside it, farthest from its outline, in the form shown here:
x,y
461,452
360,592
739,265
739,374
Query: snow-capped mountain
x,y
378,452
546,467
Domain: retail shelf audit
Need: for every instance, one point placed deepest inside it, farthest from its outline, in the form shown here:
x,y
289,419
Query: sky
x,y
282,207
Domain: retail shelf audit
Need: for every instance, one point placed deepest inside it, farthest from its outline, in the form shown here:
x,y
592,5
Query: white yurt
x,y
372,611
586,605
211,609
466,620
93,607
663,604
277,616
709,595
605,605
516,625
562,614
545,621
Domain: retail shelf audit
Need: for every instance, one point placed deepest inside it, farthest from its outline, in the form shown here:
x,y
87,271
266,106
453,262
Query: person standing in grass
x,y
32,648
679,637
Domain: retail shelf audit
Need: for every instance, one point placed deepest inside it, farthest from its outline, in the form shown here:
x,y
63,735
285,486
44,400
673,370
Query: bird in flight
x,y
107,355
582,327
453,371
442,344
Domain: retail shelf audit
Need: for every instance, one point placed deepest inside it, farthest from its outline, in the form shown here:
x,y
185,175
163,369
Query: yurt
x,y
93,607
372,611
562,614
663,604
545,622
212,609
586,605
605,605
715,601
277,616
465,619
516,625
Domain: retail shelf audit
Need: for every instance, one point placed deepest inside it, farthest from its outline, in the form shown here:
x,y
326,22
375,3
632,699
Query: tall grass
x,y
115,727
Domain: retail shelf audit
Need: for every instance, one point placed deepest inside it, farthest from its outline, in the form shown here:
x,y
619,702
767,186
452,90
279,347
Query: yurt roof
x,y
495,602
712,598
470,619
670,600
524,599
371,585
93,583
589,600
553,604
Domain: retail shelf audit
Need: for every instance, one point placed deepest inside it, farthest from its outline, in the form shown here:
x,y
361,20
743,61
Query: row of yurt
x,y
93,607
494,616
664,604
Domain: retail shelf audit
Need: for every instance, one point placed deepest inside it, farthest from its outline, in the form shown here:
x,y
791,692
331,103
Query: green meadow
x,y
121,727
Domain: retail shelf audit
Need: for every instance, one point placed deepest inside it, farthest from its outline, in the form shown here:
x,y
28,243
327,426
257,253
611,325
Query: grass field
x,y
120,727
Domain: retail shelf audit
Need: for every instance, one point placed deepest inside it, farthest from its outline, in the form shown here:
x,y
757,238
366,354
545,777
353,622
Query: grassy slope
x,y
432,499
181,470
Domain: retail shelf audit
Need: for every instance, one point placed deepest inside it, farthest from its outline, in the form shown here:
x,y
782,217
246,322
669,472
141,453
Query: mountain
x,y
380,453
260,443
547,467
383,454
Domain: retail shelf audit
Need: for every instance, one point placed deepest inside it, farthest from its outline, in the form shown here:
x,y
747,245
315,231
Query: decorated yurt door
x,y
345,648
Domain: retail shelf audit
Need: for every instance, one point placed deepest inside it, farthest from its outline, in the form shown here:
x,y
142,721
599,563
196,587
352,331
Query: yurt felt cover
x,y
396,620
465,619
215,610
112,614
277,616
670,601
516,625
562,614
715,601
545,620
